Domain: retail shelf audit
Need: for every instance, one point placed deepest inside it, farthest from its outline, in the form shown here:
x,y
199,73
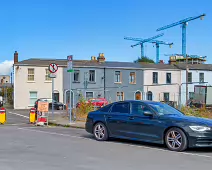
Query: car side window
x,y
139,108
105,108
121,107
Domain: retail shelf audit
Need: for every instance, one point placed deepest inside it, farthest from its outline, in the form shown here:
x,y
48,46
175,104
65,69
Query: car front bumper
x,y
200,139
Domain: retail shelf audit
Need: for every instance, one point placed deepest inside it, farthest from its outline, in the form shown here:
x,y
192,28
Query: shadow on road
x,y
150,145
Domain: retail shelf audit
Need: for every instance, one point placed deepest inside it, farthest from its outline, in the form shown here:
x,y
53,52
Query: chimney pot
x,y
101,57
93,58
15,57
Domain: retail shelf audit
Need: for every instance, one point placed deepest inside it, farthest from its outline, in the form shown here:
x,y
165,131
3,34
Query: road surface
x,y
23,146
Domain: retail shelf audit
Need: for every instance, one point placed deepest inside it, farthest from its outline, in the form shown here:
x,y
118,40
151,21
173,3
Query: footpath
x,y
63,120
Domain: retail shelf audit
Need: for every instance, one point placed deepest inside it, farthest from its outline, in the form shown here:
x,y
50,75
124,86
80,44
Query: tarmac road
x,y
56,148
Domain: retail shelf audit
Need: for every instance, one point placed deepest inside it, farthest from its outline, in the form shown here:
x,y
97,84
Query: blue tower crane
x,y
184,23
156,42
144,41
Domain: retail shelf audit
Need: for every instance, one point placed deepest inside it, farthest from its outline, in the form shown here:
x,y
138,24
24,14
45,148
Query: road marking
x,y
27,117
54,133
16,124
145,147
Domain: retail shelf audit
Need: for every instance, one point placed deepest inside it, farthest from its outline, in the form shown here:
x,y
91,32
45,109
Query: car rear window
x,y
105,108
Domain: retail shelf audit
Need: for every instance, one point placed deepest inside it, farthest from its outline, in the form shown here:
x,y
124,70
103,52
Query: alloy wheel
x,y
99,132
174,139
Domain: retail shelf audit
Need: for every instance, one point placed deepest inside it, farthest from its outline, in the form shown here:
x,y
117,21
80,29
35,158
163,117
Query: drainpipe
x,y
104,85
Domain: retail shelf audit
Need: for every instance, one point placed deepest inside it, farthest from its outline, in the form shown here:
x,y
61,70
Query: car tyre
x,y
176,140
100,132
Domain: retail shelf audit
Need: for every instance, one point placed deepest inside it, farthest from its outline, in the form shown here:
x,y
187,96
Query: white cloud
x,y
6,67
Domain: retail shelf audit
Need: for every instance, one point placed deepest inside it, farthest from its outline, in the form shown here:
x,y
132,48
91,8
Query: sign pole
x,y
53,69
70,70
70,99
52,98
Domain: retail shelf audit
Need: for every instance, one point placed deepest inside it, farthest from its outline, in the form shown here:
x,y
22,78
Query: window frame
x,y
78,72
115,77
122,94
88,92
201,77
47,72
167,78
32,97
33,74
190,73
89,73
153,82
164,96
130,77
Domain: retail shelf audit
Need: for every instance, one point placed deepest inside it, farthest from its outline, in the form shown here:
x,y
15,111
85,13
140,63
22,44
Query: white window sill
x,y
30,81
48,81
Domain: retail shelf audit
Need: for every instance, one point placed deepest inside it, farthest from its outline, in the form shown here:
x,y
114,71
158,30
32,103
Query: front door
x,y
56,96
117,119
138,95
144,127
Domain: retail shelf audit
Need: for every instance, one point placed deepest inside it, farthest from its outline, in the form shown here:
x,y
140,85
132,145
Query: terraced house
x,y
91,78
98,77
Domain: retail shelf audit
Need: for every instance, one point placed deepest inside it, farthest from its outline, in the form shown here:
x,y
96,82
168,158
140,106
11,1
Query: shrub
x,y
84,108
202,112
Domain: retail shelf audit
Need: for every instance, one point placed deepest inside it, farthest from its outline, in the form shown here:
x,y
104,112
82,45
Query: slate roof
x,y
91,63
112,64
206,67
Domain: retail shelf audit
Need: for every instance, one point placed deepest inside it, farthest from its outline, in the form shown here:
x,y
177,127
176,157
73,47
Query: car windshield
x,y
165,109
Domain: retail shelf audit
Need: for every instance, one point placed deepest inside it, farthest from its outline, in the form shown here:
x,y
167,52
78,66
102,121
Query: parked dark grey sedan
x,y
150,121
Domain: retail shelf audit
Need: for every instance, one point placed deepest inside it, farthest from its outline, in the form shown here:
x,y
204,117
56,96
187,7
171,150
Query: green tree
x,y
9,94
144,59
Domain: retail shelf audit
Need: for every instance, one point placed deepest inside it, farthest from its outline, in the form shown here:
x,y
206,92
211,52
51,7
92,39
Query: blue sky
x,y
57,28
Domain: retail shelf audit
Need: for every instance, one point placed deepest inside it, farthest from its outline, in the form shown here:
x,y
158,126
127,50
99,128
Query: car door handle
x,y
109,117
131,118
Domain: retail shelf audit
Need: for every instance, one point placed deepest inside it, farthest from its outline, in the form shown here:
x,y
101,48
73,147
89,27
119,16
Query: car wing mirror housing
x,y
148,113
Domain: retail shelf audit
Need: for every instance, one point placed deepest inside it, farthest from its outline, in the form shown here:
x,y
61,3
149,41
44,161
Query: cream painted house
x,y
31,82
161,82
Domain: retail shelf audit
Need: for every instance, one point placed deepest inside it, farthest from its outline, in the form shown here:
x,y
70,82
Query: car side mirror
x,y
148,113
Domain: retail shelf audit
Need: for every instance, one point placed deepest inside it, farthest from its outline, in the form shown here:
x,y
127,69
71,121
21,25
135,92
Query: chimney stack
x,y
15,57
162,62
93,58
101,57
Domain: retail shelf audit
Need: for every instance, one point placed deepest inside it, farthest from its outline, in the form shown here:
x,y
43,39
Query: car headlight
x,y
199,128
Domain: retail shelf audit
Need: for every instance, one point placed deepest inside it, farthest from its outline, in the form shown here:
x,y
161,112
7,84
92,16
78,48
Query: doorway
x,y
149,95
56,95
138,95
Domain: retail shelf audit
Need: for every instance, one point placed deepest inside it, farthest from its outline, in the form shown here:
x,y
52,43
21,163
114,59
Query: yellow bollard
x,y
2,115
32,115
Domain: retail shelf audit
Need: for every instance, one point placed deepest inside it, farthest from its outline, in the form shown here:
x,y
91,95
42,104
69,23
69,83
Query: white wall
x,y
195,78
44,89
158,90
